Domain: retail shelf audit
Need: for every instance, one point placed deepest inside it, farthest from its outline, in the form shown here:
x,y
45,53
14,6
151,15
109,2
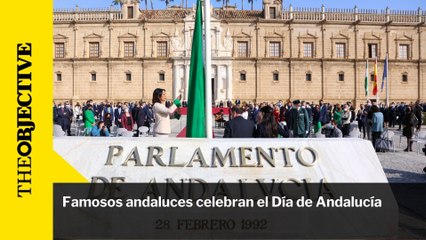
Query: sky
x,y
364,4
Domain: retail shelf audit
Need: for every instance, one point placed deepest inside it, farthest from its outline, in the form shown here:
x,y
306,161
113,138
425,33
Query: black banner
x,y
199,210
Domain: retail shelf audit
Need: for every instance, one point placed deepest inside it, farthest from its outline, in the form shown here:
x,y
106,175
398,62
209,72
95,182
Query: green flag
x,y
196,120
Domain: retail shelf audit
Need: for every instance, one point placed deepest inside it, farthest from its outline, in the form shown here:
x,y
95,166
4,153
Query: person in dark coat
x,y
55,114
323,113
299,120
268,126
228,103
108,121
65,115
401,114
118,112
98,108
140,116
409,122
418,111
238,127
392,120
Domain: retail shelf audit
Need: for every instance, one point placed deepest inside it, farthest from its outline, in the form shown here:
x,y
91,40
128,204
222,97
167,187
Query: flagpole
x,y
387,79
366,82
209,114
375,79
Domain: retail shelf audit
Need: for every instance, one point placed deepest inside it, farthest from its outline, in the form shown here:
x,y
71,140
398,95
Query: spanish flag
x,y
375,79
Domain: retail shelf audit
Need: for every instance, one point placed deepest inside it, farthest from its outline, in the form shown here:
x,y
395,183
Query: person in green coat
x,y
299,120
337,116
89,118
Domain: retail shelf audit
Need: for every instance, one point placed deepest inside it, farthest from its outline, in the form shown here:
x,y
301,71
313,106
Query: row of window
x,y
242,49
308,77
308,50
93,77
243,77
94,49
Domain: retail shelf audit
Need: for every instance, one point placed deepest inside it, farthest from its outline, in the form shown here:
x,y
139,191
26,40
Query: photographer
x,y
331,131
100,130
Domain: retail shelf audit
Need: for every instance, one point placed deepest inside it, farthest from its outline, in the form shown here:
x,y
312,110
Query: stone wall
x,y
324,28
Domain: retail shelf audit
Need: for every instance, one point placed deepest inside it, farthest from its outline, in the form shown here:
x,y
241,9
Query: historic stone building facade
x,y
258,55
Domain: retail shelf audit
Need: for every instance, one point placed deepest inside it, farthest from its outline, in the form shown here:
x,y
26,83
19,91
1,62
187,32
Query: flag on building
x,y
196,121
385,73
366,78
375,79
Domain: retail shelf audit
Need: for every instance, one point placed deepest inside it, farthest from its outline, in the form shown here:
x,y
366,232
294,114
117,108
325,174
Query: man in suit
x,y
100,110
117,115
65,115
108,109
140,116
323,113
238,127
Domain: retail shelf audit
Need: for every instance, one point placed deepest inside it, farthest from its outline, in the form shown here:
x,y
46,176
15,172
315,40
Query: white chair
x,y
143,131
80,130
400,138
353,126
355,133
419,138
58,132
113,132
389,135
127,134
120,131
151,127
319,135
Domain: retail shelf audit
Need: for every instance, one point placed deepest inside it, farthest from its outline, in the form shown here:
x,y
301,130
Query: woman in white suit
x,y
161,113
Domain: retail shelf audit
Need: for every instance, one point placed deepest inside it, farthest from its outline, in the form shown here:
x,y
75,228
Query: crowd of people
x,y
297,119
98,119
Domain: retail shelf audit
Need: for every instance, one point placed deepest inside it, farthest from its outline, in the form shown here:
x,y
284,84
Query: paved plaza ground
x,y
399,166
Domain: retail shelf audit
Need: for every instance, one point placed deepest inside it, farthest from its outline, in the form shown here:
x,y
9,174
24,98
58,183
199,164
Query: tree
x,y
251,1
118,2
224,2
167,2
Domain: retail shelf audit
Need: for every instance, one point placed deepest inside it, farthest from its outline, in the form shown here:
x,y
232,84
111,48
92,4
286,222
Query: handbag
x,y
405,131
414,121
